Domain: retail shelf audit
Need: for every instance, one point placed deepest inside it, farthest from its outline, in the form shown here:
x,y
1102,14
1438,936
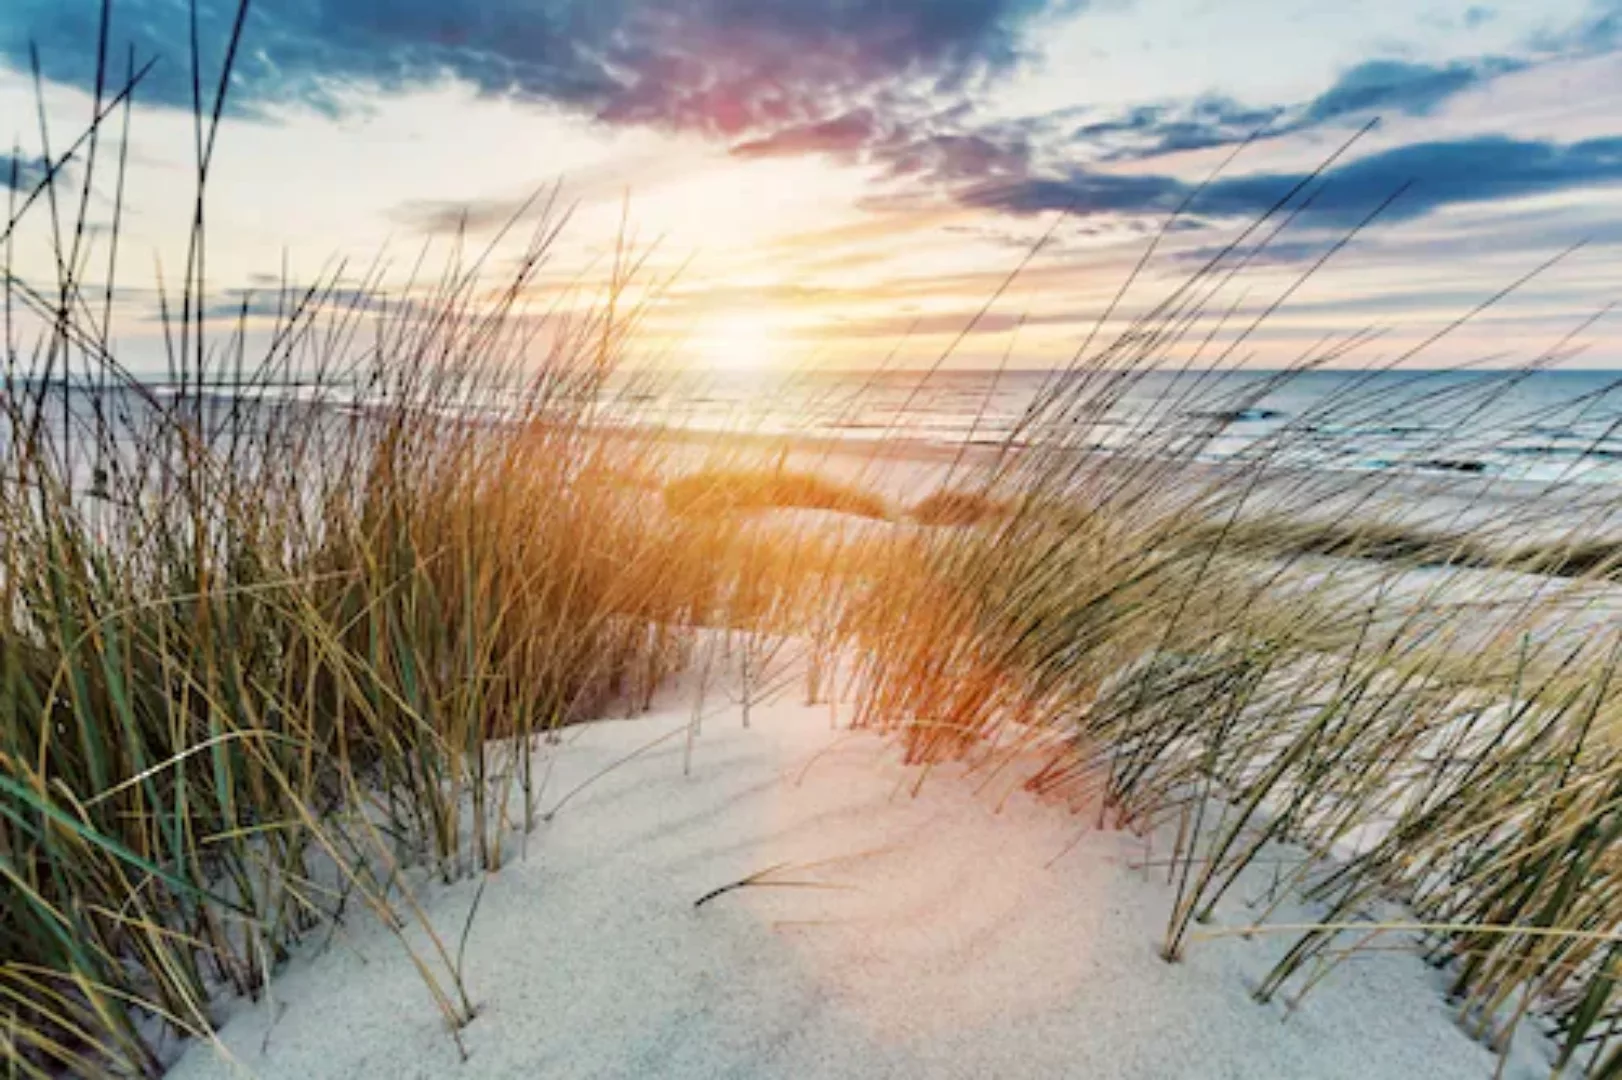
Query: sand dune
x,y
959,932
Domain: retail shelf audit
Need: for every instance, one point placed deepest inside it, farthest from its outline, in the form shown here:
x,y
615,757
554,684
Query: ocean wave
x,y
1237,416
1597,453
1471,466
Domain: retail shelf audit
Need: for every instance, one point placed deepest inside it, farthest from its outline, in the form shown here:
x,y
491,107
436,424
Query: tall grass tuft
x,y
1404,691
280,628
717,491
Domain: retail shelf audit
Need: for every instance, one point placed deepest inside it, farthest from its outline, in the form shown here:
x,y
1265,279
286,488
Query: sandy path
x,y
929,938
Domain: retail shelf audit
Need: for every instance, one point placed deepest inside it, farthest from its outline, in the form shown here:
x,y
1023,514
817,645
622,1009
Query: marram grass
x,y
1413,717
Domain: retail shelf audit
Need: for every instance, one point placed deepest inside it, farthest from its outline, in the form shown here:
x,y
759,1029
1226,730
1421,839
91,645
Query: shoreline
x,y
1452,522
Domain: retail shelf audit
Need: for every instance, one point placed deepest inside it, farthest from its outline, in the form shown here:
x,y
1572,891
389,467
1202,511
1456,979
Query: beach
x,y
933,539
769,893
901,925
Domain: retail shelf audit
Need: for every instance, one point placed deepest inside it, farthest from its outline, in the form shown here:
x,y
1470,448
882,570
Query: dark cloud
x,y
1277,253
1441,174
950,158
948,147
1083,192
1399,86
1483,169
1372,88
725,67
890,83
21,174
1151,130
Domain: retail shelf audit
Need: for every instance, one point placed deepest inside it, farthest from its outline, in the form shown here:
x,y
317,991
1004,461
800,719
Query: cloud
x,y
279,303
1598,31
947,158
995,166
1445,173
969,321
946,147
1372,88
1152,130
20,173
1275,253
892,84
923,143
723,67
843,135
450,216
1083,192
1400,86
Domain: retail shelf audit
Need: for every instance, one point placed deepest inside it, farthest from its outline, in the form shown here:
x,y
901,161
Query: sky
x,y
845,183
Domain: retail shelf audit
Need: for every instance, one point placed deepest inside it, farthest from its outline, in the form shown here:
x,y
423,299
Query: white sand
x,y
940,943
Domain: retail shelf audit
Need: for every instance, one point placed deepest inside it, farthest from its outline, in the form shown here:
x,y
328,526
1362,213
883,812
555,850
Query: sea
x,y
1550,426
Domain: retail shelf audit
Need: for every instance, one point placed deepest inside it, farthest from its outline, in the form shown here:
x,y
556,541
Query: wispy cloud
x,y
1378,87
1156,129
1401,86
284,303
1057,162
1054,161
846,135
1435,174
451,216
1598,32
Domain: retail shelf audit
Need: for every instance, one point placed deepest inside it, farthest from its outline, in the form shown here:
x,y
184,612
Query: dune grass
x,y
954,507
278,634
257,676
1430,756
1417,546
734,490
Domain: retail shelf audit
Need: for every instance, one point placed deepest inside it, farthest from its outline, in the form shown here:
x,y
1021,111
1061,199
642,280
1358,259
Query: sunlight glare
x,y
740,341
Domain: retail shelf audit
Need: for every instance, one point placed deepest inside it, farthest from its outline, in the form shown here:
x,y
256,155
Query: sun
x,y
740,341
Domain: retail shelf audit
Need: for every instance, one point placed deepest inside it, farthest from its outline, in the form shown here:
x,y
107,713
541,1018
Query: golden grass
x,y
1408,737
722,491
958,508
